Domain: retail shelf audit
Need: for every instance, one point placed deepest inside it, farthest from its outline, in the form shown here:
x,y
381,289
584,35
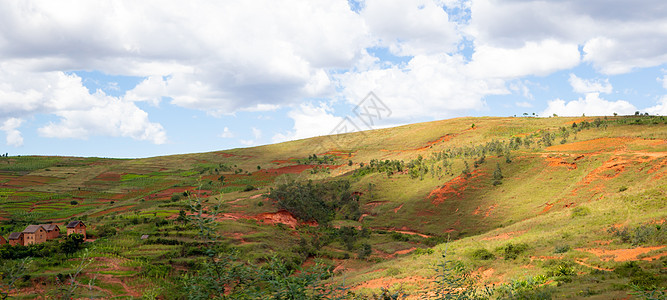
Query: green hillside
x,y
531,208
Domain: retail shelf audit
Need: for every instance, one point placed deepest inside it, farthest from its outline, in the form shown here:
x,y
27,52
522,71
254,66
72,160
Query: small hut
x,y
52,231
34,234
76,227
15,238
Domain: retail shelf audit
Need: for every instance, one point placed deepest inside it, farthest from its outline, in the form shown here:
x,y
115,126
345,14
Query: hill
x,y
535,207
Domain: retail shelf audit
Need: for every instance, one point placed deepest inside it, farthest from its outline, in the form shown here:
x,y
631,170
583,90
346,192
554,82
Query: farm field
x,y
500,208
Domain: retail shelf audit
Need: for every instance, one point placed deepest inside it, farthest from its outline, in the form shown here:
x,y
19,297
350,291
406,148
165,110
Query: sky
x,y
149,78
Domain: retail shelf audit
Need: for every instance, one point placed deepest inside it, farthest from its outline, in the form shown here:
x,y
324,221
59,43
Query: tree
x,y
497,175
72,244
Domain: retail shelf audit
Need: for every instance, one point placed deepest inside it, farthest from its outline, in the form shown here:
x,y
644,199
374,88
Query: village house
x,y
76,227
34,234
52,231
16,238
2,240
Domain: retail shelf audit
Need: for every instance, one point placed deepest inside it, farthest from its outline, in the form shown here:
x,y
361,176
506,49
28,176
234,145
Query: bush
x,y
623,189
512,251
482,254
562,248
580,211
248,188
73,202
364,251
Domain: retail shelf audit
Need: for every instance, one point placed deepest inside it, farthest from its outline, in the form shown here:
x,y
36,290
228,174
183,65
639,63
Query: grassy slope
x,y
533,205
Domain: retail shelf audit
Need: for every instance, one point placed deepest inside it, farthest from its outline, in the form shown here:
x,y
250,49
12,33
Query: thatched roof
x,y
74,224
33,228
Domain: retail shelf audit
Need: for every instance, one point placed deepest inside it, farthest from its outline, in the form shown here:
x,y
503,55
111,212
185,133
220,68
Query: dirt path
x,y
620,254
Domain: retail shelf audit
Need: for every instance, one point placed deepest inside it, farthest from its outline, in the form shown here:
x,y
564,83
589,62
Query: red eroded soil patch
x,y
451,189
547,207
560,162
389,282
398,208
279,217
620,254
406,251
609,169
592,145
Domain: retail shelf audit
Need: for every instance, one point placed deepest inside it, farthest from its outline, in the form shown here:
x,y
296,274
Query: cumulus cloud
x,y
310,120
532,58
81,113
14,137
214,56
584,86
660,108
617,36
410,27
226,133
591,105
436,86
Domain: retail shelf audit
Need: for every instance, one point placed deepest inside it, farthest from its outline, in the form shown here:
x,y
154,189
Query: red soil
x,y
546,208
488,212
279,217
451,189
398,208
581,262
620,254
389,282
406,251
560,162
403,230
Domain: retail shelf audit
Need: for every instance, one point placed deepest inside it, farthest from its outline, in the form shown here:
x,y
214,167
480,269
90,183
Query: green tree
x,y
72,243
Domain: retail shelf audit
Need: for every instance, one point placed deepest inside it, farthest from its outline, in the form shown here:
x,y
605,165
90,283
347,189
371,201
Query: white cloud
x,y
618,36
591,105
532,58
81,113
219,57
663,80
411,27
309,121
436,86
14,137
660,108
256,133
226,133
584,86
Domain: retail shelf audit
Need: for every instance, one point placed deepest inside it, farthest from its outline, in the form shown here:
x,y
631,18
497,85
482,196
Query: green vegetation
x,y
521,208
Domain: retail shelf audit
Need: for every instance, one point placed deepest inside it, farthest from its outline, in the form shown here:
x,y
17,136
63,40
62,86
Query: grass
x,y
549,198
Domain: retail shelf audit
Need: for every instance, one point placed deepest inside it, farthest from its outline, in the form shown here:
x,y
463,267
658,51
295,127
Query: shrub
x,y
482,254
512,251
580,211
73,202
364,251
248,188
562,248
623,189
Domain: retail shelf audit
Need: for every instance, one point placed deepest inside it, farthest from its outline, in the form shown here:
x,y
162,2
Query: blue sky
x,y
128,79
